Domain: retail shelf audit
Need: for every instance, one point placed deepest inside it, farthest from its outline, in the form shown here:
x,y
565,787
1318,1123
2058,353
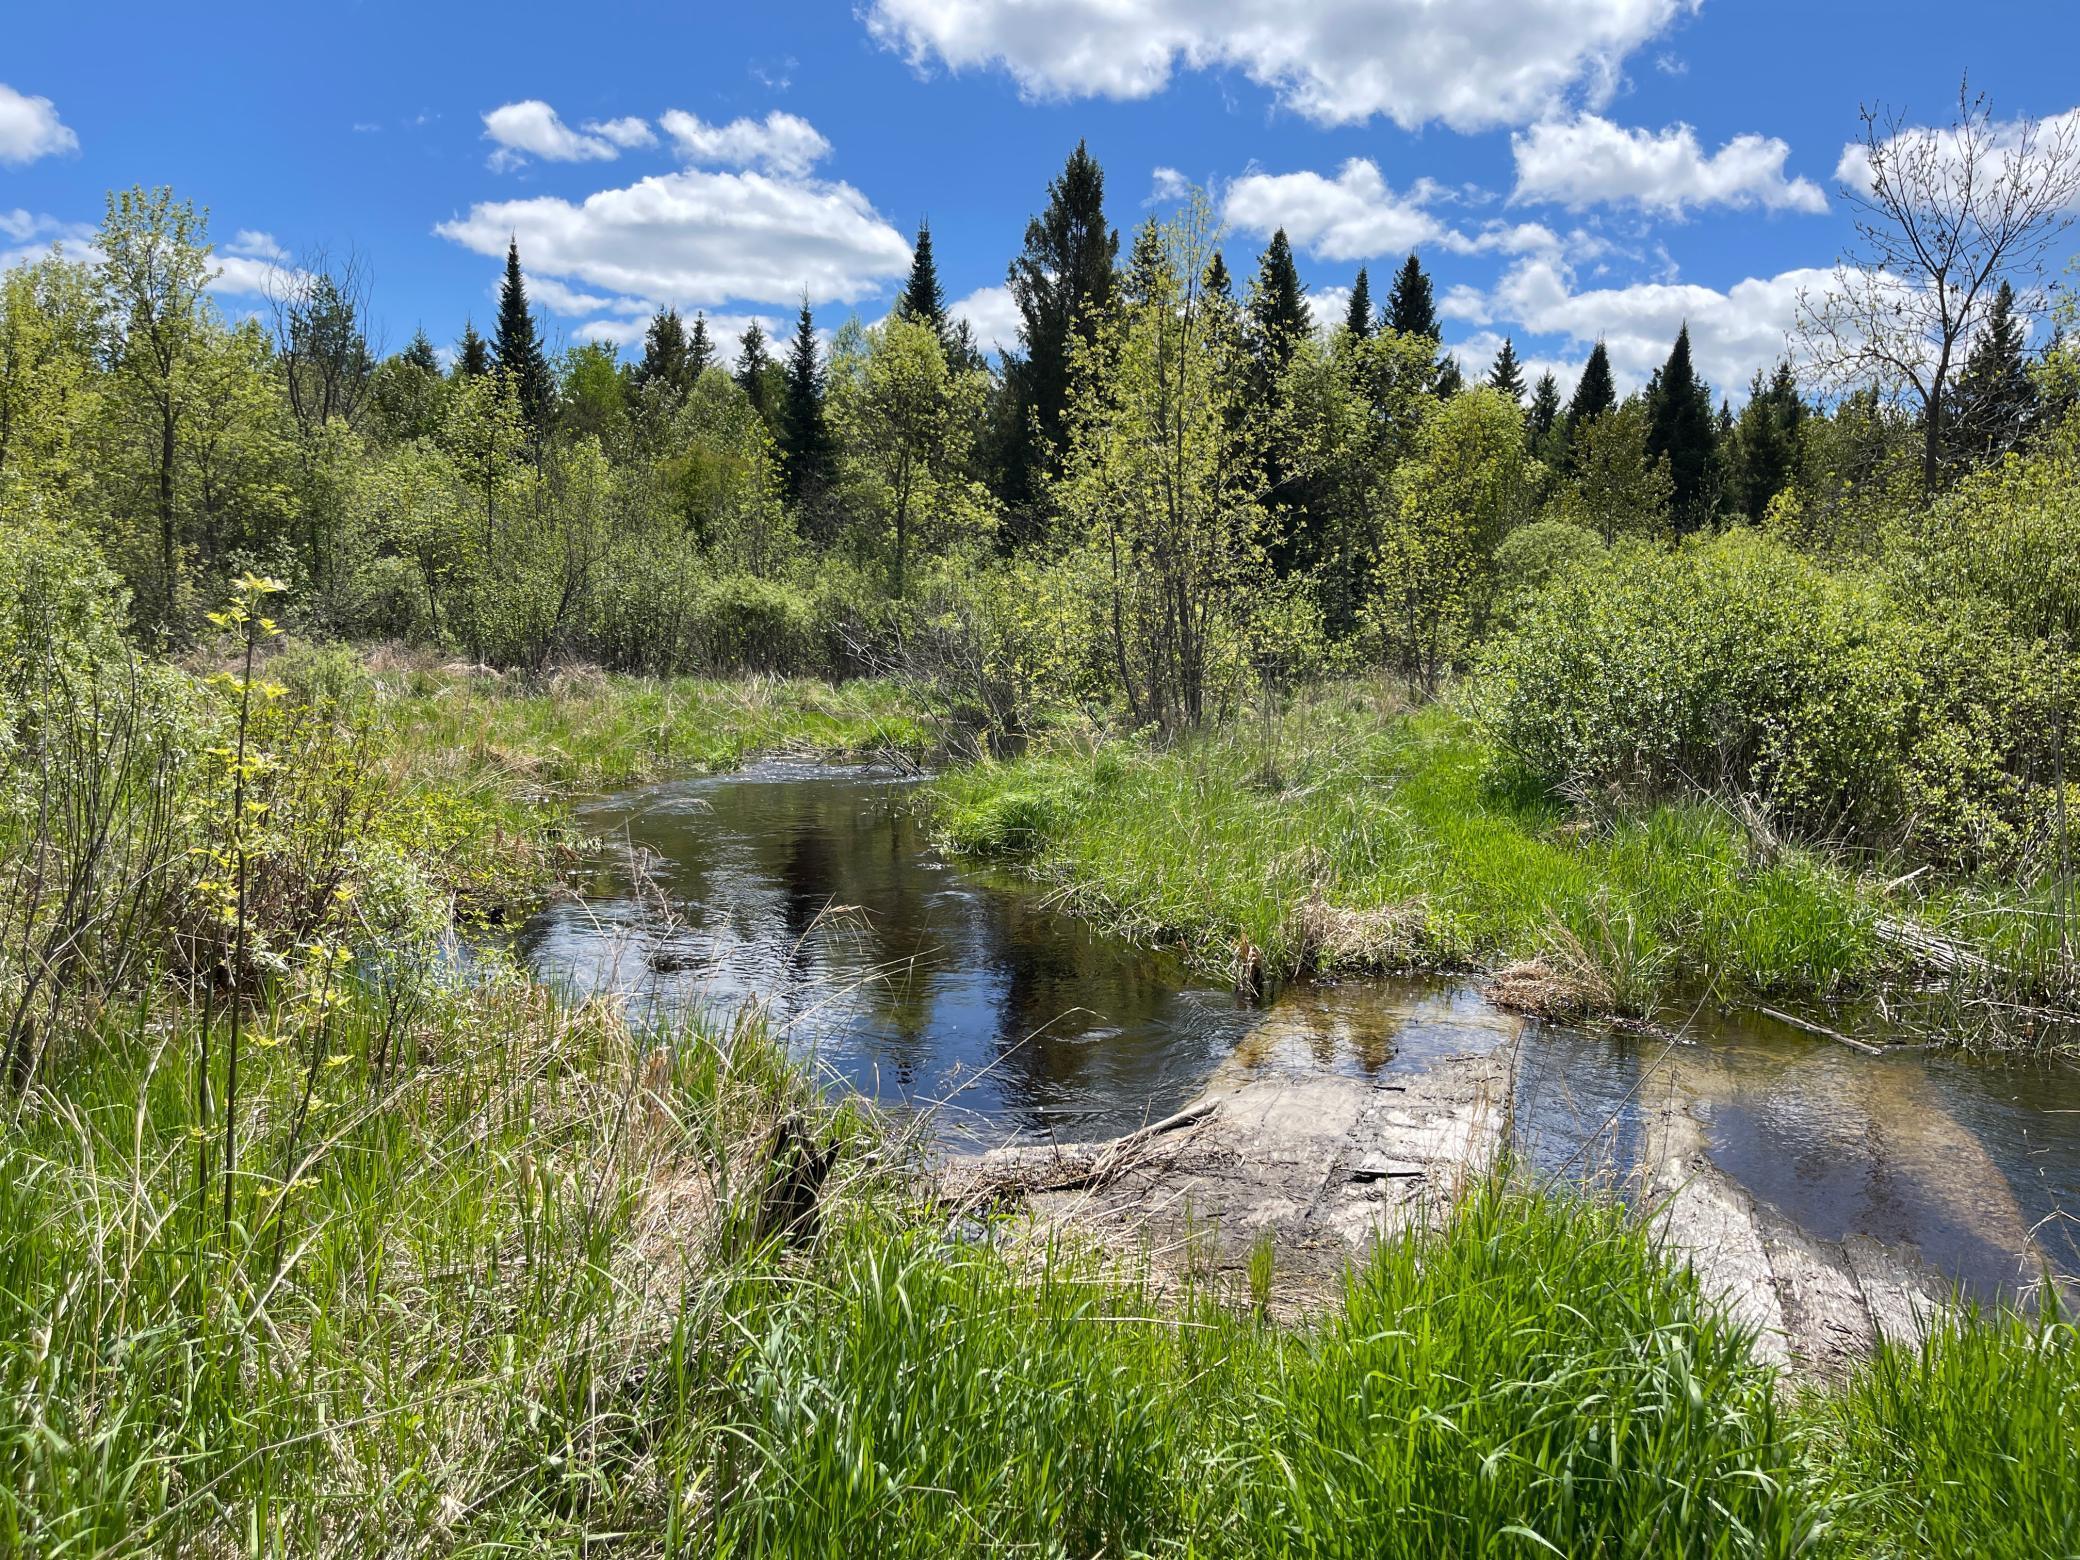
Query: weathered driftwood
x,y
1025,1172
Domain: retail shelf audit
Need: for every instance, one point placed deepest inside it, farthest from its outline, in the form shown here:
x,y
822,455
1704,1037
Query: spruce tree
x,y
420,353
472,356
1595,393
1507,375
1995,400
1680,429
1449,378
700,351
1218,283
517,348
1762,455
1544,414
664,354
1062,283
922,299
805,440
1357,319
1145,264
1278,315
754,375
1410,309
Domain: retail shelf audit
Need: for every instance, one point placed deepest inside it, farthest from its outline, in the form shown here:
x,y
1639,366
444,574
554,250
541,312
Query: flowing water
x,y
813,892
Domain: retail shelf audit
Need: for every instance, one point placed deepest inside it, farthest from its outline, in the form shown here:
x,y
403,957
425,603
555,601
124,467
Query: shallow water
x,y
813,892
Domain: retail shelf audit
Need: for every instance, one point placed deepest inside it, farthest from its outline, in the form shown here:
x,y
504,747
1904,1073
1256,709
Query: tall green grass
x,y
1395,825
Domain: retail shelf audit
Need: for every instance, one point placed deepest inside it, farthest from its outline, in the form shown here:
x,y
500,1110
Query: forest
x,y
1291,644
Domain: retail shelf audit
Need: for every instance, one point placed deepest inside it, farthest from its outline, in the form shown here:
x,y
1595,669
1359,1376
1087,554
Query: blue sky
x,y
1568,169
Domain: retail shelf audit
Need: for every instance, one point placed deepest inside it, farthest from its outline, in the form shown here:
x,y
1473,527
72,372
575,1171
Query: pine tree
x,y
805,440
1410,309
1357,319
1145,263
1218,283
700,351
1595,393
922,299
1448,378
1507,375
1681,431
472,356
664,360
1062,283
420,353
1995,401
517,348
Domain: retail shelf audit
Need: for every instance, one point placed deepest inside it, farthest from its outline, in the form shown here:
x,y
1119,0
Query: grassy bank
x,y
1349,834
492,1288
481,771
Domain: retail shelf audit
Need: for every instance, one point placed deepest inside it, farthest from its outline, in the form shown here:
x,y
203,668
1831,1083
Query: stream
x,y
813,892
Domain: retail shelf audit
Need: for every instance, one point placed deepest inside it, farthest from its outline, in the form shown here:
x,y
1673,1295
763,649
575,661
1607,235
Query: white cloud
x,y
30,128
1167,186
697,235
992,313
626,133
780,143
559,298
1357,215
246,276
1588,161
532,128
1328,307
1476,355
256,245
1732,333
1853,168
1473,64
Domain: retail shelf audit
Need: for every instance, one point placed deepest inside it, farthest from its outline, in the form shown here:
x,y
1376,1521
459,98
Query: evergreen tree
x,y
1218,283
1279,321
1996,399
700,351
1357,319
1448,379
1595,393
664,360
922,299
1146,272
1410,309
420,353
517,348
1681,431
1544,414
755,373
1062,283
806,445
473,355
1507,375
1762,454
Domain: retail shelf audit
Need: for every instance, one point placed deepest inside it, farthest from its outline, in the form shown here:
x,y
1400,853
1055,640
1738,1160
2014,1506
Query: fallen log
x,y
1821,1030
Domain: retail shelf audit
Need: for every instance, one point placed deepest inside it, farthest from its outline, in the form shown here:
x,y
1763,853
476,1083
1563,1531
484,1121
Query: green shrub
x,y
1532,556
1732,663
745,624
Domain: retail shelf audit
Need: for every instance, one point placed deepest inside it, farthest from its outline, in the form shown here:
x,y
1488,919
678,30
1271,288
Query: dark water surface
x,y
813,892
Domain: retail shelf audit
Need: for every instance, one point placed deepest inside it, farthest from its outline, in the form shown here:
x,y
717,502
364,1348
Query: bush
x,y
745,624
1732,663
1532,556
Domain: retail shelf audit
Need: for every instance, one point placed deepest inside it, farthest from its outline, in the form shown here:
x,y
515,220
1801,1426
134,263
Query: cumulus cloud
x,y
256,245
30,128
1853,169
251,276
1587,161
532,128
1473,64
1166,187
1732,333
558,297
723,331
627,132
1357,215
698,235
992,313
780,143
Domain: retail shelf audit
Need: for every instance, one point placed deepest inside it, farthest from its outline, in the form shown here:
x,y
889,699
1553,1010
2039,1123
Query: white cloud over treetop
x,y
1588,161
695,236
30,128
1472,64
1358,216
